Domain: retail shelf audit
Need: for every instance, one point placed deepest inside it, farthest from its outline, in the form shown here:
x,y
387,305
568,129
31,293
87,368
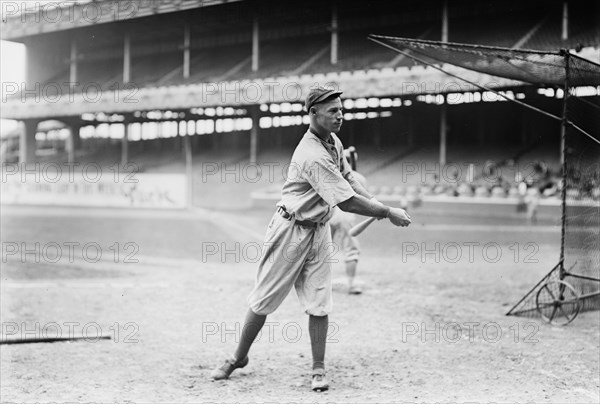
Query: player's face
x,y
329,115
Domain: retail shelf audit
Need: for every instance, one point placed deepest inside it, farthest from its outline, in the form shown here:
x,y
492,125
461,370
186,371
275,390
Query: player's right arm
x,y
326,179
367,207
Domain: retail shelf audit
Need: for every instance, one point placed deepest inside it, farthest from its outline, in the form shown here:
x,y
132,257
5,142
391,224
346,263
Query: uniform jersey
x,y
315,182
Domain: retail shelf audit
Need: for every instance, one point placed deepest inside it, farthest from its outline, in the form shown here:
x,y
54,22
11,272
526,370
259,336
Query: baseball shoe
x,y
319,381
225,370
354,290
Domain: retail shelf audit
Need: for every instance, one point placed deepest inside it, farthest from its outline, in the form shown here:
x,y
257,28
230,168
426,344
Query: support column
x,y
443,131
73,64
255,114
189,174
255,44
565,22
376,133
410,122
481,129
334,34
73,142
126,59
125,145
443,126
445,21
524,127
27,142
351,134
186,51
76,135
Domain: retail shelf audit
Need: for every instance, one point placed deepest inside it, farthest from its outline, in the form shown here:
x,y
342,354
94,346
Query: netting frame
x,y
563,286
563,273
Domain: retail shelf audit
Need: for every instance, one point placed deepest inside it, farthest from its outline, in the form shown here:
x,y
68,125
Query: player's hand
x,y
399,217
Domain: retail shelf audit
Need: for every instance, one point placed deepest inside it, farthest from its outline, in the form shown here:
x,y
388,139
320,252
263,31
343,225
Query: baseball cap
x,y
318,95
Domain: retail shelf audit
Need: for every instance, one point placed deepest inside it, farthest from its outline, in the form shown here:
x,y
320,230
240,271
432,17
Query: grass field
x,y
430,326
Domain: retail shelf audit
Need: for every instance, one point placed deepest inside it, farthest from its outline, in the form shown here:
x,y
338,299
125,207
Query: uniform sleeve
x,y
327,180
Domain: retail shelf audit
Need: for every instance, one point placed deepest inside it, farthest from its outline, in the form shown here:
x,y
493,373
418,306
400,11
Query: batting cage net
x,y
573,284
530,66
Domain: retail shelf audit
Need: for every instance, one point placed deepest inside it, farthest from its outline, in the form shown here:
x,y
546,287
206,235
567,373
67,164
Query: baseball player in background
x,y
298,236
341,222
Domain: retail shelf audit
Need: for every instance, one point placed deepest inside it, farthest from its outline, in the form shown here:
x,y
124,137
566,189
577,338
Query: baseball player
x,y
297,239
341,222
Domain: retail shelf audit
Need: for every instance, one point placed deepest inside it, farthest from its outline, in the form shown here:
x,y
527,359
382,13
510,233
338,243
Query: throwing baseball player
x,y
297,239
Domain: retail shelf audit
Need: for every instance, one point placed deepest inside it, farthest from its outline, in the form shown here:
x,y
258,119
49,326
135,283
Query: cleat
x,y
225,370
355,290
319,382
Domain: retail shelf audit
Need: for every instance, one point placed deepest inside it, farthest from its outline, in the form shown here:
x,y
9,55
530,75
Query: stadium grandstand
x,y
176,84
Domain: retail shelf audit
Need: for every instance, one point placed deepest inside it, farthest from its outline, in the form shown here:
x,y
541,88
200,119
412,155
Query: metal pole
x,y
563,140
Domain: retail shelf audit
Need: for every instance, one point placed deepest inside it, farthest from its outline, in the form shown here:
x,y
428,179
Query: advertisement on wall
x,y
91,186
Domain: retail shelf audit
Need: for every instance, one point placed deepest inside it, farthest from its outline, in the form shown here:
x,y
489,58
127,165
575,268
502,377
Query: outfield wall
x,y
92,186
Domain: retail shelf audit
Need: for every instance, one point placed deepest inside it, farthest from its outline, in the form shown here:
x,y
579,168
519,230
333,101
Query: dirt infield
x,y
430,326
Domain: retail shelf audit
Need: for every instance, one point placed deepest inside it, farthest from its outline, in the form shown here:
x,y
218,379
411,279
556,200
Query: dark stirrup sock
x,y
317,328
252,326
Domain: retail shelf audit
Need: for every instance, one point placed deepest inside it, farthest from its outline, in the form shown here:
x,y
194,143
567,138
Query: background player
x,y
341,222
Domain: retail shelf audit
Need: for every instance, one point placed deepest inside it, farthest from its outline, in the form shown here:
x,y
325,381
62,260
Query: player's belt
x,y
287,215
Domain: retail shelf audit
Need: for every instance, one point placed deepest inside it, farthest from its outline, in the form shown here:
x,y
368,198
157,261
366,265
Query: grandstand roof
x,y
21,19
87,49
